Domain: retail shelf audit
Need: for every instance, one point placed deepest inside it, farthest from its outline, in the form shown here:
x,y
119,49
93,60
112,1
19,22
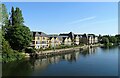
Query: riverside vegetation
x,y
16,37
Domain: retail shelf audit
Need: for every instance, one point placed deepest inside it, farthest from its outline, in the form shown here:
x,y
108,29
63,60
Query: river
x,y
91,62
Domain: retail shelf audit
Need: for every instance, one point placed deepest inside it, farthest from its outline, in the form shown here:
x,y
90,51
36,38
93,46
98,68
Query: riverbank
x,y
61,51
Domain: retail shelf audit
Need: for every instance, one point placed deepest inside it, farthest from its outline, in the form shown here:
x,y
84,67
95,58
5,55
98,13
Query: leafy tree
x,y
113,39
105,40
118,38
16,17
18,34
5,46
4,22
3,14
4,18
13,32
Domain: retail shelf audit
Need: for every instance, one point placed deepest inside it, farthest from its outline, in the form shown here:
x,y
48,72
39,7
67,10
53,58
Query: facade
x,y
96,39
54,40
42,40
84,39
93,39
76,39
88,39
66,40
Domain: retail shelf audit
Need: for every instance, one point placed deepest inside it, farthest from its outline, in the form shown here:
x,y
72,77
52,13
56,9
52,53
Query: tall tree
x,y
12,18
105,40
6,49
4,18
16,17
113,39
4,14
18,34
19,18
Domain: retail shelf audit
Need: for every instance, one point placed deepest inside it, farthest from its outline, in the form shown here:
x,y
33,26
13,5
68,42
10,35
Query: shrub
x,y
29,50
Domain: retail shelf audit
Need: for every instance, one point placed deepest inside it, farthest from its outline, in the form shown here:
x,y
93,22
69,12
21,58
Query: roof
x,y
34,33
55,36
71,35
64,35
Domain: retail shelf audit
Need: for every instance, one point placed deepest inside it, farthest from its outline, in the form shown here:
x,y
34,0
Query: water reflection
x,y
110,49
28,67
88,51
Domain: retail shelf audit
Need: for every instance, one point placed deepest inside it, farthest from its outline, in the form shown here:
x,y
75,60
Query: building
x,y
54,40
40,40
96,40
88,39
67,38
83,39
77,39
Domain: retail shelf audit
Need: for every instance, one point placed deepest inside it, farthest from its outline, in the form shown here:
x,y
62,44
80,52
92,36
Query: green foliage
x,y
30,50
3,14
110,40
16,17
17,34
113,39
118,38
20,37
8,54
15,55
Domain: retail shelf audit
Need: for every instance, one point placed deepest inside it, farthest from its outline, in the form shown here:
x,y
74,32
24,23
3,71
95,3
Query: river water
x,y
91,62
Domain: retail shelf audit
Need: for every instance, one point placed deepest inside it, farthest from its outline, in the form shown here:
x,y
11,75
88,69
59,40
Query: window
x,y
43,42
43,38
38,46
37,42
33,42
38,38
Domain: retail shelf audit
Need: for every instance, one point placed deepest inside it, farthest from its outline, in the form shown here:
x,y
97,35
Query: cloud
x,y
82,20
105,21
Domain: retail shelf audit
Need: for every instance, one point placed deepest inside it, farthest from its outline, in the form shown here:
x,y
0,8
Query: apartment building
x,y
40,40
54,40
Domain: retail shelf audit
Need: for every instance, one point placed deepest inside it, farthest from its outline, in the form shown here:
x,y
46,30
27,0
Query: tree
x,y
20,37
3,14
113,39
5,46
4,18
16,17
18,34
118,38
105,40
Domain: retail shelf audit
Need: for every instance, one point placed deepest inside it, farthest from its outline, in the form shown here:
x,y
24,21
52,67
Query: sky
x,y
64,17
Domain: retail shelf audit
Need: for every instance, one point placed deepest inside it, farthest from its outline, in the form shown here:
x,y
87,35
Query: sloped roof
x,y
34,33
55,36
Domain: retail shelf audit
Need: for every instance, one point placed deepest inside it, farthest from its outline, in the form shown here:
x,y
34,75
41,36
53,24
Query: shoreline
x,y
61,51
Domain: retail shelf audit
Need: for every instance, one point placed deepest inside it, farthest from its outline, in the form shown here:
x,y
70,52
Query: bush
x,y
29,50
15,55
